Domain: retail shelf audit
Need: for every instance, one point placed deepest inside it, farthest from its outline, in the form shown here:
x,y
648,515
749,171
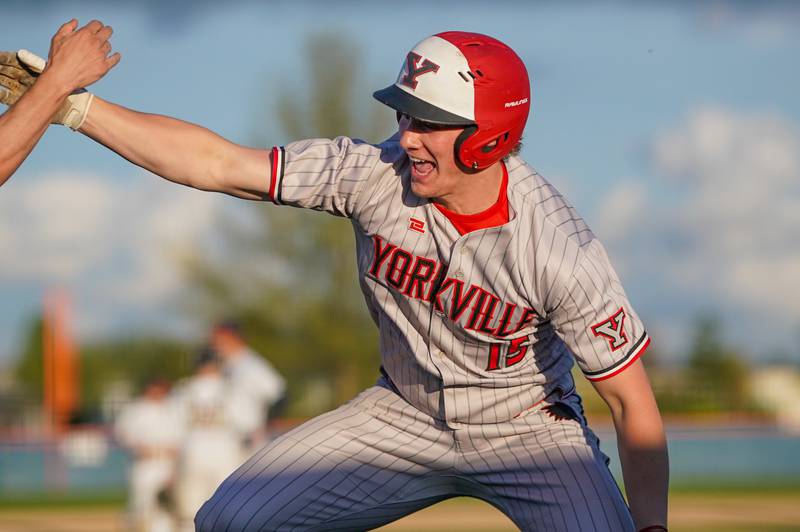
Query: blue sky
x,y
674,127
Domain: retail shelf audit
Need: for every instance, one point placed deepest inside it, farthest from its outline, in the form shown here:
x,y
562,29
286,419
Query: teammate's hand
x,y
14,78
20,70
73,111
80,57
77,58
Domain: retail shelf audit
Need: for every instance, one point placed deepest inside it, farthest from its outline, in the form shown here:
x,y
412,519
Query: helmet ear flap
x,y
463,155
493,151
474,152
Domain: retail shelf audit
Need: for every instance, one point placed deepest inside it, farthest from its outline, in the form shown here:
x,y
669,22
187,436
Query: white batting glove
x,y
74,110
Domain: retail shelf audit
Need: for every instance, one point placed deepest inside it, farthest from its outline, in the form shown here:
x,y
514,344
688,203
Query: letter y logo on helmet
x,y
414,69
479,83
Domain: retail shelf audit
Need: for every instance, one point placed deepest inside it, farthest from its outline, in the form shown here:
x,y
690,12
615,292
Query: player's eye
x,y
421,125
429,126
409,122
415,124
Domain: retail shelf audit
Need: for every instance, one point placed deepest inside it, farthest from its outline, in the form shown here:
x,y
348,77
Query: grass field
x,y
767,510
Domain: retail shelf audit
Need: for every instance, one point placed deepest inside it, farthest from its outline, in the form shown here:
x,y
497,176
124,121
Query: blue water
x,y
41,468
731,456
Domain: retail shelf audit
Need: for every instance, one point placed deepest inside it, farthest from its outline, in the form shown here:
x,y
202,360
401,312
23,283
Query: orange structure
x,y
60,362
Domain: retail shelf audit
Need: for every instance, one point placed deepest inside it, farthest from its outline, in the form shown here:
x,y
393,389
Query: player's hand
x,y
79,57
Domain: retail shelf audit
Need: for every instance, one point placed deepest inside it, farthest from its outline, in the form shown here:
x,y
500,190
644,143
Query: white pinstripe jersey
x,y
476,328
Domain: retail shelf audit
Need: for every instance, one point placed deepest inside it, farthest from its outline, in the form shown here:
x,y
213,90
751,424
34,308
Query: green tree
x,y
717,373
289,275
134,360
327,107
29,368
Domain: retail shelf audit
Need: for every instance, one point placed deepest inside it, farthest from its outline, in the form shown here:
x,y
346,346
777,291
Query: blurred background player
x,y
256,386
78,57
211,445
148,428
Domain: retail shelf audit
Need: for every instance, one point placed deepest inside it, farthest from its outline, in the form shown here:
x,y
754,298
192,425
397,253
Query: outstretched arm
x,y
175,150
641,442
78,57
179,151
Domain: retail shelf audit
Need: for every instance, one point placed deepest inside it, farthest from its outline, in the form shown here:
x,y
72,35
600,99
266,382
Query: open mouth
x,y
421,167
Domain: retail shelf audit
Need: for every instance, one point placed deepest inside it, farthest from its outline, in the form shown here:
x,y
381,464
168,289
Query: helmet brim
x,y
406,103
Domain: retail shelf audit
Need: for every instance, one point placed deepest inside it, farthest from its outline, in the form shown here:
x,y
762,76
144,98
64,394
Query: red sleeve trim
x,y
633,357
277,168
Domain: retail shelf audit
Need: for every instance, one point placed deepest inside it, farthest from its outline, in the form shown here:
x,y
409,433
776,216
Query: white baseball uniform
x,y
151,430
478,333
211,447
254,386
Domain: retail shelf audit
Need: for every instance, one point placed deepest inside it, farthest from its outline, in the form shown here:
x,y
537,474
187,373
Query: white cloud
x,y
722,231
112,244
625,211
763,23
50,225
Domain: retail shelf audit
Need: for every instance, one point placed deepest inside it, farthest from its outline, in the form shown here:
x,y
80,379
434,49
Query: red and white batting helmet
x,y
465,79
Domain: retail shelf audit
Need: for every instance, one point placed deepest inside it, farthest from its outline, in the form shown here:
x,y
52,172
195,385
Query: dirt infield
x,y
689,513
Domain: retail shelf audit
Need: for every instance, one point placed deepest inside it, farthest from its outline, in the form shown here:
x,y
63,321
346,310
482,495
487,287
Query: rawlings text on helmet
x,y
514,104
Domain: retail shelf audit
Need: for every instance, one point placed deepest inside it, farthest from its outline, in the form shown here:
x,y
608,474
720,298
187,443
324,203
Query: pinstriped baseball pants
x,y
377,459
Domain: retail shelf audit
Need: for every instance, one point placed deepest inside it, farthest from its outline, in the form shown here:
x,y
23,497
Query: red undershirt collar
x,y
495,215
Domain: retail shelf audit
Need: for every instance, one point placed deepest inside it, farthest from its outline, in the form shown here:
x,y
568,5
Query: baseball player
x,y
78,57
211,443
254,384
148,427
486,287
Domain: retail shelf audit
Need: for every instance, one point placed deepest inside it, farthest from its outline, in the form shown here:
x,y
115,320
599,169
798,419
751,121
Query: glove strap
x,y
79,109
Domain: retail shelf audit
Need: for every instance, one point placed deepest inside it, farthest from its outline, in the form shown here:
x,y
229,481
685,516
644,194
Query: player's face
x,y
434,172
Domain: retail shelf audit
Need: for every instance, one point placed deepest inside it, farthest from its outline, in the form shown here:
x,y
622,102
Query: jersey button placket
x,y
463,251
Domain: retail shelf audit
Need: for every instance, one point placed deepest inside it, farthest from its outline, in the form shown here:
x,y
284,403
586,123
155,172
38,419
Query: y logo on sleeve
x,y
613,330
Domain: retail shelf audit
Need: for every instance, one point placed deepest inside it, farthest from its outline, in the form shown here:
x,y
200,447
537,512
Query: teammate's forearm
x,y
178,151
645,467
24,123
